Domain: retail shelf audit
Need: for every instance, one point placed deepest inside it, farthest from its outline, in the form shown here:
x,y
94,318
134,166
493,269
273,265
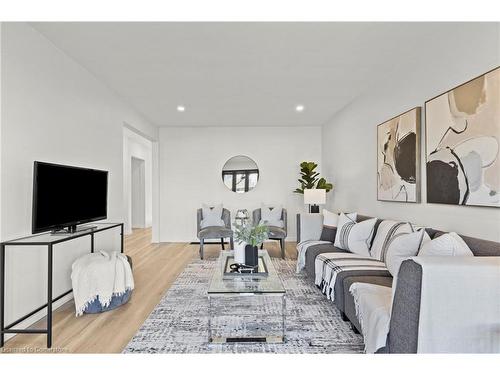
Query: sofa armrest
x,y
309,227
457,312
403,332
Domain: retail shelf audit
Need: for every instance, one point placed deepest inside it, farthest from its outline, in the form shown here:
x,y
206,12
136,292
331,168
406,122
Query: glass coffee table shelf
x,y
257,298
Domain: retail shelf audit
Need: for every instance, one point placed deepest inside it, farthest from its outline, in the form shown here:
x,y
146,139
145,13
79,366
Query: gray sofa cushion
x,y
342,295
328,234
214,232
349,307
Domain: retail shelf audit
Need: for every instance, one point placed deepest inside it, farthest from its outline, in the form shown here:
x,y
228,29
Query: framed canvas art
x,y
462,143
398,158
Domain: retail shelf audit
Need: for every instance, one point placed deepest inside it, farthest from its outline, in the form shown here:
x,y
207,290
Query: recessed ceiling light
x,y
299,108
181,108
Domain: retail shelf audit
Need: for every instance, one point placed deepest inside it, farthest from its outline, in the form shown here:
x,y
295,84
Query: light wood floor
x,y
156,266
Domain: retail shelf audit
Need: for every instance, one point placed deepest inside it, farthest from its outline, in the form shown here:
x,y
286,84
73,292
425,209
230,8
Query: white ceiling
x,y
240,74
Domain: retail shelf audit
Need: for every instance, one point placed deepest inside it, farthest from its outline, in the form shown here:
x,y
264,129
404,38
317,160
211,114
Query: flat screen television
x,y
65,196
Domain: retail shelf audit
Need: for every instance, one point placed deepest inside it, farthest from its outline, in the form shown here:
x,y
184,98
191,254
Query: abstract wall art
x,y
462,143
398,156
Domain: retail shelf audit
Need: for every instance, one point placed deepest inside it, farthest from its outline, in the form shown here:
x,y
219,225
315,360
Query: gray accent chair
x,y
214,232
275,233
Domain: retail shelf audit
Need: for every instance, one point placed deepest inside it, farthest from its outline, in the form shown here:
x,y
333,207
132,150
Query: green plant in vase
x,y
253,236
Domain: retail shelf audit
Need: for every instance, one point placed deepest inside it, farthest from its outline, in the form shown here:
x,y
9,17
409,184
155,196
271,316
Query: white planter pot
x,y
239,252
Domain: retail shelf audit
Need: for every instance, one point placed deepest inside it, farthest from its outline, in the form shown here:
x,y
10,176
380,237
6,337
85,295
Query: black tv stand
x,y
48,240
73,229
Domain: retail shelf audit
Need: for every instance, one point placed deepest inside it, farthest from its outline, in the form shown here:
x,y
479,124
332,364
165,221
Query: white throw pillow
x,y
212,216
401,247
330,219
449,244
354,237
385,231
271,216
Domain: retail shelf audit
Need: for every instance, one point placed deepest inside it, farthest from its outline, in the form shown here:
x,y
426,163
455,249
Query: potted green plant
x,y
309,178
252,236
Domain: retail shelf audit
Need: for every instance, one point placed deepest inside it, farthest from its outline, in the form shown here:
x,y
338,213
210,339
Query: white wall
x,y
349,139
52,110
191,161
137,146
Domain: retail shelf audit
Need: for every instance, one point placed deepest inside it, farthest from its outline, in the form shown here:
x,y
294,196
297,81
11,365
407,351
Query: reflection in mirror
x,y
240,174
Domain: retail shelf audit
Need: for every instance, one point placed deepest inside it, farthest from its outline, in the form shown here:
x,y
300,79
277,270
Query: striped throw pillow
x,y
354,237
385,231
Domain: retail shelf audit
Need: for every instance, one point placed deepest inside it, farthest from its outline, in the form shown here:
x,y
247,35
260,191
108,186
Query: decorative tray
x,y
261,270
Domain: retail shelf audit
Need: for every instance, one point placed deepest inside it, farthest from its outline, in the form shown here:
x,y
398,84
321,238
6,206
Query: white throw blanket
x,y
373,309
302,250
460,305
329,265
100,275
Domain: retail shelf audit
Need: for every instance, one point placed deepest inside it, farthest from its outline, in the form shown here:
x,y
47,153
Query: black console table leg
x,y
2,295
121,238
49,297
92,242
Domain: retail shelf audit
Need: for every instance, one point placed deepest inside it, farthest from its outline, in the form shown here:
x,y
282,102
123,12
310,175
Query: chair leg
x,y
201,248
231,242
282,245
262,245
222,243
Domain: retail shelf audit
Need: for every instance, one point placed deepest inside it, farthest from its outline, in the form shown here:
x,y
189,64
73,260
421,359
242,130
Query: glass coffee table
x,y
246,307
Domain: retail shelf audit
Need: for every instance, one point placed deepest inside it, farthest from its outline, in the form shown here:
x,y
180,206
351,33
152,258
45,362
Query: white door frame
x,y
155,238
138,192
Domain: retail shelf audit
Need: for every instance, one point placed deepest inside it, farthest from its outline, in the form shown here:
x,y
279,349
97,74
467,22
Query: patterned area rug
x,y
179,323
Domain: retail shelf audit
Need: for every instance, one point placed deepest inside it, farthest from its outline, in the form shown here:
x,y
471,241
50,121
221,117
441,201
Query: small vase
x,y
251,255
239,253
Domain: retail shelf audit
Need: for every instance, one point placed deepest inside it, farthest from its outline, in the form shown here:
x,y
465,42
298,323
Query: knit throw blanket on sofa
x,y
100,276
302,250
329,265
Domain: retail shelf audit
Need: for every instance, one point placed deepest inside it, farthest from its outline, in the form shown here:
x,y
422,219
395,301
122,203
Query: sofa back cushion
x,y
479,247
330,221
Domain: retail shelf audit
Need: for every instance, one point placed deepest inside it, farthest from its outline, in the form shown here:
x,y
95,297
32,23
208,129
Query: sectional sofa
x,y
404,321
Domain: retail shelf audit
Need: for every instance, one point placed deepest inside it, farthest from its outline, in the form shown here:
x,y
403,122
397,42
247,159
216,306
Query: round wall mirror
x,y
240,174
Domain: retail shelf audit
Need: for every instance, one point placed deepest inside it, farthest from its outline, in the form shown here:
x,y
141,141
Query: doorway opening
x,y
140,182
138,192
